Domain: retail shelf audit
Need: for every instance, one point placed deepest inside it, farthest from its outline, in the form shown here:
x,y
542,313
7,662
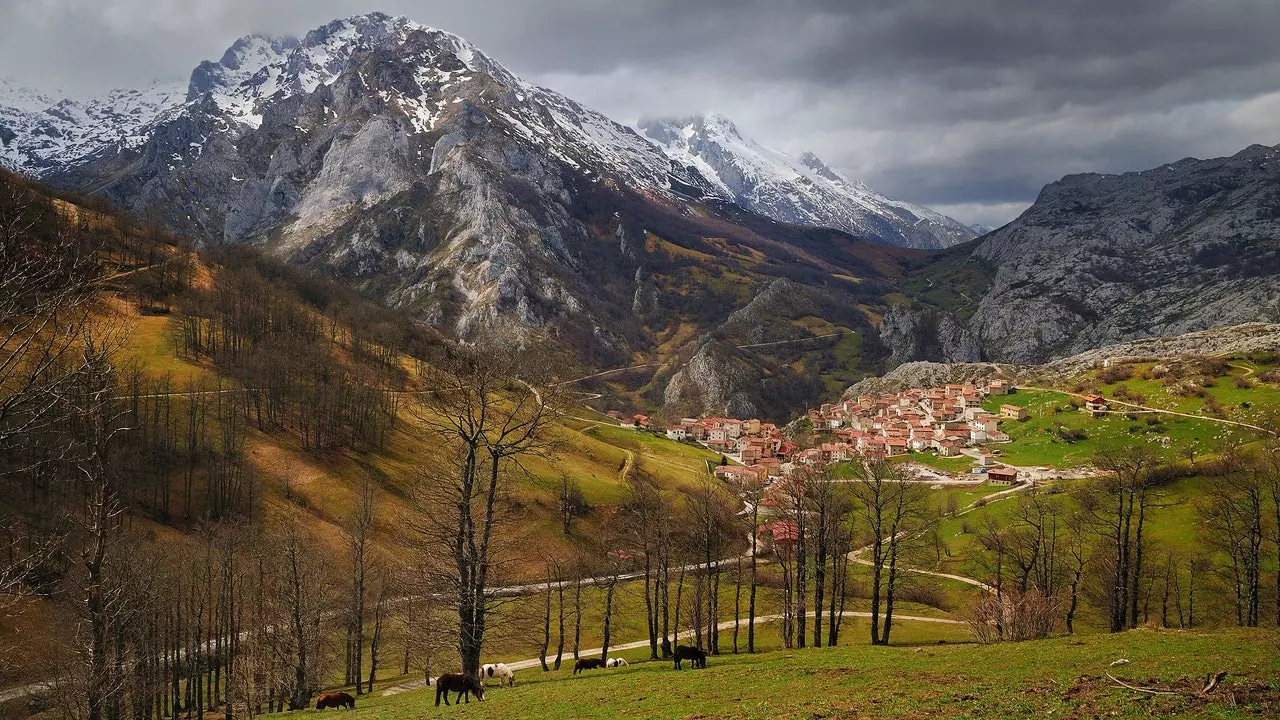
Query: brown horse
x,y
335,700
461,684
587,664
696,657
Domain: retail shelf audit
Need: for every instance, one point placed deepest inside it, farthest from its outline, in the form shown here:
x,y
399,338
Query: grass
x,y
958,465
1251,404
1039,440
1057,677
681,463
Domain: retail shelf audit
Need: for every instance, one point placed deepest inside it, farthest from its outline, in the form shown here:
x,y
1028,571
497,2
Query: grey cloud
x,y
971,106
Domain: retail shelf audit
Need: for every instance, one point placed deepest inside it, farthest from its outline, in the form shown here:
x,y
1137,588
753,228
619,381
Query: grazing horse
x,y
505,675
461,684
696,657
615,662
587,664
335,700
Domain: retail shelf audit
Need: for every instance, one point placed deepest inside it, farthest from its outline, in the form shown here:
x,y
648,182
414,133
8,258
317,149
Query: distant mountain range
x,y
404,161
51,138
797,190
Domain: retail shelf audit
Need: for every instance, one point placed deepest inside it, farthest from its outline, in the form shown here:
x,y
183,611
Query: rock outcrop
x,y
1104,259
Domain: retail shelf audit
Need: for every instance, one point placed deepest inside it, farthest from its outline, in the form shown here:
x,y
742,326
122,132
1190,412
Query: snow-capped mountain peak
x,y
800,190
39,132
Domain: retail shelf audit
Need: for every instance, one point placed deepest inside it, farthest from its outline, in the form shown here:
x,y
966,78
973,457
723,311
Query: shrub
x,y
1072,435
925,594
1213,367
1115,374
1212,406
1016,617
1244,383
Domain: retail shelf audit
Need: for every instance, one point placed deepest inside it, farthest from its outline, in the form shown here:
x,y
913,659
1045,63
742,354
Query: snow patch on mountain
x,y
39,133
800,190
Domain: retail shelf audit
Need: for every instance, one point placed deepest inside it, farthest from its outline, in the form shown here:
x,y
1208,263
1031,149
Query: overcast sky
x,y
968,106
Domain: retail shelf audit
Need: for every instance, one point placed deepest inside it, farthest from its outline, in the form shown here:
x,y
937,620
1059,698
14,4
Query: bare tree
x,y
892,508
752,492
1233,515
375,643
358,530
490,405
1118,504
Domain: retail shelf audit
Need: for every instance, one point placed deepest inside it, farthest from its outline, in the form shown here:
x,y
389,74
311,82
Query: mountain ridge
x,y
802,190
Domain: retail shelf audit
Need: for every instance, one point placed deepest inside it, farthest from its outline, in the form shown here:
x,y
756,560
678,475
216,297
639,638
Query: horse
x,y
505,675
696,657
335,700
615,662
461,684
587,664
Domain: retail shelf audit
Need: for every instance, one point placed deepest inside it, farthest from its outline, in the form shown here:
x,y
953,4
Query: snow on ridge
x,y
50,134
804,190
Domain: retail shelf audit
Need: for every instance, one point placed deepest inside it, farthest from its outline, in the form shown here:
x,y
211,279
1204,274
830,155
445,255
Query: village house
x,y
731,473
1094,405
677,432
1003,475
778,535
1013,412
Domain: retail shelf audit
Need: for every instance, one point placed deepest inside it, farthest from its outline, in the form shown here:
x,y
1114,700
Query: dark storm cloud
x,y
968,105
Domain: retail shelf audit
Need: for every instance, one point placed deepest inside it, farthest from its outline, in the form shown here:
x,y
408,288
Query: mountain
x,y
42,136
800,190
404,161
980,229
1106,259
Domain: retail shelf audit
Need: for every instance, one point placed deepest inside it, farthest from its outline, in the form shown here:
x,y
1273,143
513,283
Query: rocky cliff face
x,y
1103,259
915,332
800,190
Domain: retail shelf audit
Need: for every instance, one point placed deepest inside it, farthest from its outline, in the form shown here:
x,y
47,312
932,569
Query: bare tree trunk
x,y
608,617
577,614
737,603
546,630
751,599
377,637
560,613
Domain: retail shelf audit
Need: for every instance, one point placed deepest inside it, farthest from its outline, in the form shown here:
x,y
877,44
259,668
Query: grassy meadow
x,y
1063,676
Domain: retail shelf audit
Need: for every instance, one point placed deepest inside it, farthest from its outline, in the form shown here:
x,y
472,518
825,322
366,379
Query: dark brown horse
x,y
335,700
587,664
696,657
461,684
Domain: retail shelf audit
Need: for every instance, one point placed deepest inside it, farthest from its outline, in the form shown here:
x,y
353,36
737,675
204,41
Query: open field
x,y
1046,437
1062,676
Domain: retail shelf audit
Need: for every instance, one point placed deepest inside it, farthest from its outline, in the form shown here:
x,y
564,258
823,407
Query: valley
x,y
358,359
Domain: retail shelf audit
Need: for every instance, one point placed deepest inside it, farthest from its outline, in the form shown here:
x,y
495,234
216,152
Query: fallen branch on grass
x,y
1211,683
1135,688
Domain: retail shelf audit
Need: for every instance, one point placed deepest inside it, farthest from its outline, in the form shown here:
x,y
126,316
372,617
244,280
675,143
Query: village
x,y
947,421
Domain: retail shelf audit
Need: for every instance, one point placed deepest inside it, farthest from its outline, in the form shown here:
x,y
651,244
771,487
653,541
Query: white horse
x,y
505,675
615,662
